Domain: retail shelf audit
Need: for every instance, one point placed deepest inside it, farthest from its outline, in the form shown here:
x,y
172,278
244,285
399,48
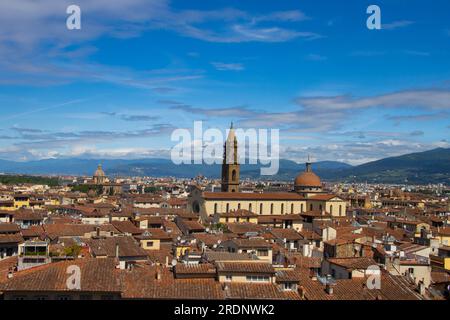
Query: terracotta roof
x,y
9,228
440,277
252,196
244,227
288,234
155,234
97,275
392,288
142,283
6,265
128,247
323,197
33,231
244,267
28,214
261,291
238,213
194,269
74,230
353,263
251,243
11,238
126,227
215,256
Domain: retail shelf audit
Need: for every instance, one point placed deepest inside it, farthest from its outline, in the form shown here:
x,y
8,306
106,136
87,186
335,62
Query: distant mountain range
x,y
431,166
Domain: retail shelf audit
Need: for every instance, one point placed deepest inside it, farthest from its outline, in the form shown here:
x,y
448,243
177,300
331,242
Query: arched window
x,y
271,208
233,175
282,208
261,208
215,207
292,208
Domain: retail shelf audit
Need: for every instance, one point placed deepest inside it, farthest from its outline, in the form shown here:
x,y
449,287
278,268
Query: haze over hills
x,y
431,166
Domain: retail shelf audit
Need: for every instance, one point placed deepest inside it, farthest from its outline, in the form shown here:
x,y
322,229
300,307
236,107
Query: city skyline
x,y
136,71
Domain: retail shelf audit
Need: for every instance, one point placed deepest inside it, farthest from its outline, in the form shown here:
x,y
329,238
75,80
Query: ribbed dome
x,y
307,179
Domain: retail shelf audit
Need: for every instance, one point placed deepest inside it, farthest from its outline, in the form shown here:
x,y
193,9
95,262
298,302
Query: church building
x,y
307,194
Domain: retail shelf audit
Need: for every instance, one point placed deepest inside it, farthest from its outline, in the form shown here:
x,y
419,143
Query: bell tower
x,y
230,165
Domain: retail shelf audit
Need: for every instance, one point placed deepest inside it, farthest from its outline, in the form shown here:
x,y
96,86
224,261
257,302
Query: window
x,y
411,270
263,253
282,208
331,209
271,208
340,210
41,298
320,207
233,175
310,207
228,277
249,207
239,206
292,208
65,297
261,208
215,207
301,207
257,278
289,286
228,207
149,243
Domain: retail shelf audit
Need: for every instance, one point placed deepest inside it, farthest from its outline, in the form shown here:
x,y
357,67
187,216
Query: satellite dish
x,y
174,262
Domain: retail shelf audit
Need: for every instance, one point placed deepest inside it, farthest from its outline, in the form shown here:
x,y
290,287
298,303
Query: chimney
x,y
329,289
301,292
158,273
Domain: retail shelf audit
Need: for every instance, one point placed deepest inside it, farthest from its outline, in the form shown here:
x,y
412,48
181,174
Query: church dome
x,y
99,172
307,179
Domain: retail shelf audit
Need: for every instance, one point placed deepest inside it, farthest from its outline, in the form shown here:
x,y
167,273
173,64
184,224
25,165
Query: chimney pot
x,y
329,289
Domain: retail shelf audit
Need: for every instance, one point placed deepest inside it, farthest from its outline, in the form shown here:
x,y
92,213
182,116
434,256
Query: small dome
x,y
99,172
307,179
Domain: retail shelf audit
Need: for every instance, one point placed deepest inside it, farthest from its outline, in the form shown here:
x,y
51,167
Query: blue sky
x,y
138,69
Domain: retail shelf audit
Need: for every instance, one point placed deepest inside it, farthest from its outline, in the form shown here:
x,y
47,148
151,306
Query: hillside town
x,y
166,238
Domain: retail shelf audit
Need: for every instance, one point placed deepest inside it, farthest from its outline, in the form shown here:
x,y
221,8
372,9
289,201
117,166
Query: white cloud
x,y
396,24
228,66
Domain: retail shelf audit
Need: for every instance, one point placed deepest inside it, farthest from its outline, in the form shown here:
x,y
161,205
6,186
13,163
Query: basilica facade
x,y
307,194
